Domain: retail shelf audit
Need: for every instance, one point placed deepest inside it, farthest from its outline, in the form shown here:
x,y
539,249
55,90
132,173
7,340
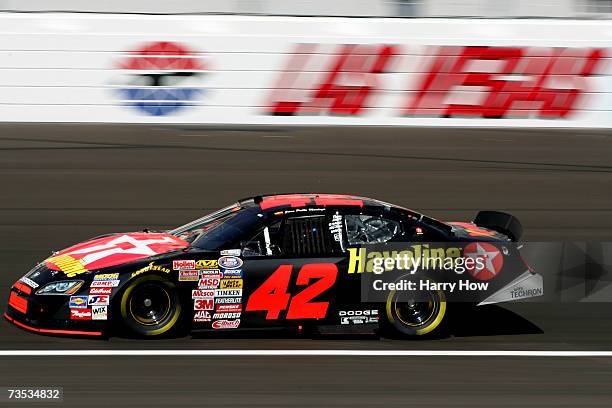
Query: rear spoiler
x,y
504,223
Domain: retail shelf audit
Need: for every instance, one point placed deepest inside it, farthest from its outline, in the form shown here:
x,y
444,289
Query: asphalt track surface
x,y
61,184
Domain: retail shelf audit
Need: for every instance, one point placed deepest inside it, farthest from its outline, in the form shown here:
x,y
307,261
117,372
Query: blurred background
x,y
346,8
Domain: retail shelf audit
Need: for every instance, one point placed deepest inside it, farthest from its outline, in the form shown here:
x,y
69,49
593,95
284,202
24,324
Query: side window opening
x,y
266,242
306,236
369,229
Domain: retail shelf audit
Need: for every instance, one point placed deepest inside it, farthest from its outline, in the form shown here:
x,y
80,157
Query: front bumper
x,y
47,314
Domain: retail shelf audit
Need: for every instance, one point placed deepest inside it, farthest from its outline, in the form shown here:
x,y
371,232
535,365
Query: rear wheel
x,y
416,317
150,306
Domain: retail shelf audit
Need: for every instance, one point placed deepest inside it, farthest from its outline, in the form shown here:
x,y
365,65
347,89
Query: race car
x,y
297,261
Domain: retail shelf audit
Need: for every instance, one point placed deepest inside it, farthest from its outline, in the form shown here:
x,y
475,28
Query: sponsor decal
x,y
335,227
365,260
100,291
188,276
228,300
229,308
160,78
204,304
99,312
226,324
232,273
231,252
80,314
199,294
98,300
211,273
228,292
358,316
231,284
77,302
230,262
151,268
207,264
29,282
105,284
492,257
202,316
226,315
182,264
521,293
208,283
106,276
112,250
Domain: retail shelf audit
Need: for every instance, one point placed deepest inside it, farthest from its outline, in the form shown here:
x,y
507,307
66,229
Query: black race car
x,y
303,261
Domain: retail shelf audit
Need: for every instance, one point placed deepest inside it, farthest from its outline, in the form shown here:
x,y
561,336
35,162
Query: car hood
x,y
112,250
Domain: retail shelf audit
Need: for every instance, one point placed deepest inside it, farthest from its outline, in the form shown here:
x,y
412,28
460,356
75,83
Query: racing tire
x,y
406,318
150,307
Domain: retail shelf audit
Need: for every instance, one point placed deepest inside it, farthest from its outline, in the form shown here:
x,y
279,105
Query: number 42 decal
x,y
272,295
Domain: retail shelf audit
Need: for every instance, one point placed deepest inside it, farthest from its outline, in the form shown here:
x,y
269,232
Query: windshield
x,y
193,230
224,227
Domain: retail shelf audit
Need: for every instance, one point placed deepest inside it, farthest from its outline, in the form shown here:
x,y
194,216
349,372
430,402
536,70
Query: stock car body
x,y
275,261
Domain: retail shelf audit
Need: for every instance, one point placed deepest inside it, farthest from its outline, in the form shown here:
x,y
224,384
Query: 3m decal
x,y
272,295
204,304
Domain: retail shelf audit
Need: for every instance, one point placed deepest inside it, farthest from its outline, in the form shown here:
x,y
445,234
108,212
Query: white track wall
x,y
305,71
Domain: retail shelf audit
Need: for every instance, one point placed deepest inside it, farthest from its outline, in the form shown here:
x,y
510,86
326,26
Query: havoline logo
x,y
161,78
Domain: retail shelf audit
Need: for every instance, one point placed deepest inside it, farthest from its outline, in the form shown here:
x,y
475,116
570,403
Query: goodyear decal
x,y
151,267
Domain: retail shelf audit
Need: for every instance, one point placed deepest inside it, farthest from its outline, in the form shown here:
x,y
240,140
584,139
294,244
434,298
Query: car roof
x,y
305,200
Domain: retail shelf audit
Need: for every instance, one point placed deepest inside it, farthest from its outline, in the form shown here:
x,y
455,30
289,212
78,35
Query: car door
x,y
291,267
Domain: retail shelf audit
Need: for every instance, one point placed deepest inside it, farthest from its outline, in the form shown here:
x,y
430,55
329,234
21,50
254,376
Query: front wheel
x,y
150,306
410,317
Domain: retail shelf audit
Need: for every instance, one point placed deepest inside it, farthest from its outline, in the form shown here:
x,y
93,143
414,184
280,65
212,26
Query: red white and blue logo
x,y
162,78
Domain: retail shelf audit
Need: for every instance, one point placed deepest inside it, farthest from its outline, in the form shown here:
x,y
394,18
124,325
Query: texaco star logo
x,y
491,260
